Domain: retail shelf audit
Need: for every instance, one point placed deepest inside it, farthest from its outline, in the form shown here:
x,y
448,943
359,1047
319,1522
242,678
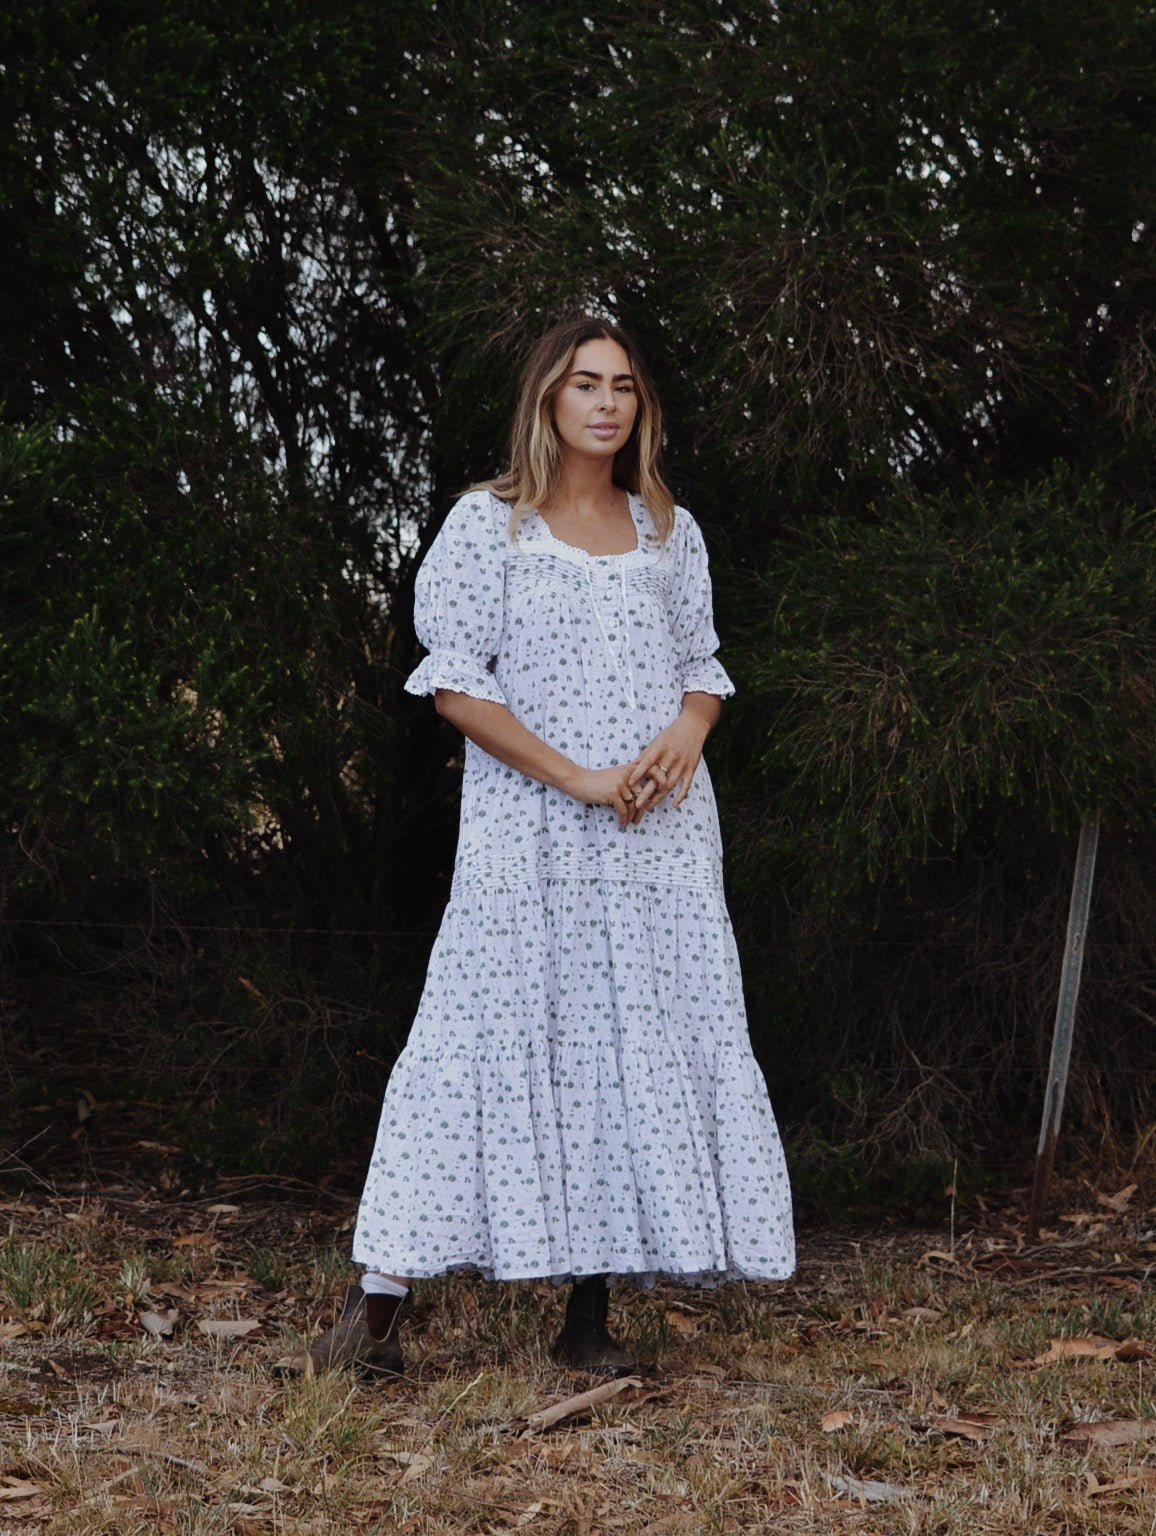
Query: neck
x,y
583,484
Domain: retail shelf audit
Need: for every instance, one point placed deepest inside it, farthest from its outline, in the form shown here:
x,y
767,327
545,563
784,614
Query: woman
x,y
578,1097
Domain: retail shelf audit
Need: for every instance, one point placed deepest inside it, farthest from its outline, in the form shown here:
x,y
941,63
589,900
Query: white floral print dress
x,y
578,1093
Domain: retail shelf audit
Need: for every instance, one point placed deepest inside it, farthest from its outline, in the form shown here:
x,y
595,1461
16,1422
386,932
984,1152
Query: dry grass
x,y
762,1408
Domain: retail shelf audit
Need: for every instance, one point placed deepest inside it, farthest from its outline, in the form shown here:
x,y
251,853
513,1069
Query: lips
x,y
605,429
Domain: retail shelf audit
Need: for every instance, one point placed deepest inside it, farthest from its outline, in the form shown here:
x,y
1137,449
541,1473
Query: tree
x,y
269,270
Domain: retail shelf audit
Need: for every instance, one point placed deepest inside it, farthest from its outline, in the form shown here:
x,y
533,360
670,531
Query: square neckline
x,y
641,538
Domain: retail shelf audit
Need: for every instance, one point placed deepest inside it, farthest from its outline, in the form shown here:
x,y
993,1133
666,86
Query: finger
x,y
655,756
662,775
656,783
658,796
687,781
644,795
641,768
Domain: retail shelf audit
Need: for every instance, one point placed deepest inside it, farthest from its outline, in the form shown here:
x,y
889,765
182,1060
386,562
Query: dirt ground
x,y
944,1380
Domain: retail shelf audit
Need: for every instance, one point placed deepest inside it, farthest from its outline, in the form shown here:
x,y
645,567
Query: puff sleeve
x,y
691,612
458,600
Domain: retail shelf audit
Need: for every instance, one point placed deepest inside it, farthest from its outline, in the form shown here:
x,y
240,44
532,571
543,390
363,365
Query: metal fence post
x,y
1065,1021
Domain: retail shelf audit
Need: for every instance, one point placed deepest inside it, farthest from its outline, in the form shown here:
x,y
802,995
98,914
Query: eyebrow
x,y
586,373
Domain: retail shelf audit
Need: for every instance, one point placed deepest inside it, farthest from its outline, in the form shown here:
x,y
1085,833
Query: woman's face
x,y
595,408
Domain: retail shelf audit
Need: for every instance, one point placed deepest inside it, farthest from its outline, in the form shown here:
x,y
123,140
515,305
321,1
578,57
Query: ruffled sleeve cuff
x,y
458,673
707,676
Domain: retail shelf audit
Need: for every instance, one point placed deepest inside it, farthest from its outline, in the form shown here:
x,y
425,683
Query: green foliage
x,y
267,269
908,673
180,660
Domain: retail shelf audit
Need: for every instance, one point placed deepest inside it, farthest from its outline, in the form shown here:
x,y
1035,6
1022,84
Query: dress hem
x,y
702,1279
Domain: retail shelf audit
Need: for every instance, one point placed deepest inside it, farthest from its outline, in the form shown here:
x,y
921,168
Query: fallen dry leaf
x,y
12,1331
12,1488
1138,1480
922,1315
869,1492
970,1426
546,1418
196,1240
682,1324
1093,1349
1117,1202
1109,1432
939,1402
227,1327
417,1465
937,1256
160,1324
838,1418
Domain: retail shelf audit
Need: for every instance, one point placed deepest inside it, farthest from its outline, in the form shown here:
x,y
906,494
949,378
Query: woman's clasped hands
x,y
666,767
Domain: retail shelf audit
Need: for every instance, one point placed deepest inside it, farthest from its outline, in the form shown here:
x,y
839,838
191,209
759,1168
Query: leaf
x,y
1119,1200
414,1462
12,1331
418,1464
222,1210
922,1315
682,1324
195,1240
160,1324
273,1485
1138,1480
869,1492
970,1426
13,1488
1109,1432
838,1418
227,1327
1093,1349
546,1418
938,1401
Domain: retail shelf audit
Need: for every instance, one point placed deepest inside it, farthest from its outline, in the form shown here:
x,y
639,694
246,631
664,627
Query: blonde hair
x,y
535,458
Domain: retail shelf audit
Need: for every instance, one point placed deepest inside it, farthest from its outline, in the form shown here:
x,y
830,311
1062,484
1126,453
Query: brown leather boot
x,y
585,1341
349,1342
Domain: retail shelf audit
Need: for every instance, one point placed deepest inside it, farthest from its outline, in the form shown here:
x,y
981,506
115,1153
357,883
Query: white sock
x,y
374,1284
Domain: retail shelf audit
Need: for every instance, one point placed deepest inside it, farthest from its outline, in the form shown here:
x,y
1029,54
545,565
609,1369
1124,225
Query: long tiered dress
x,y
578,1093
